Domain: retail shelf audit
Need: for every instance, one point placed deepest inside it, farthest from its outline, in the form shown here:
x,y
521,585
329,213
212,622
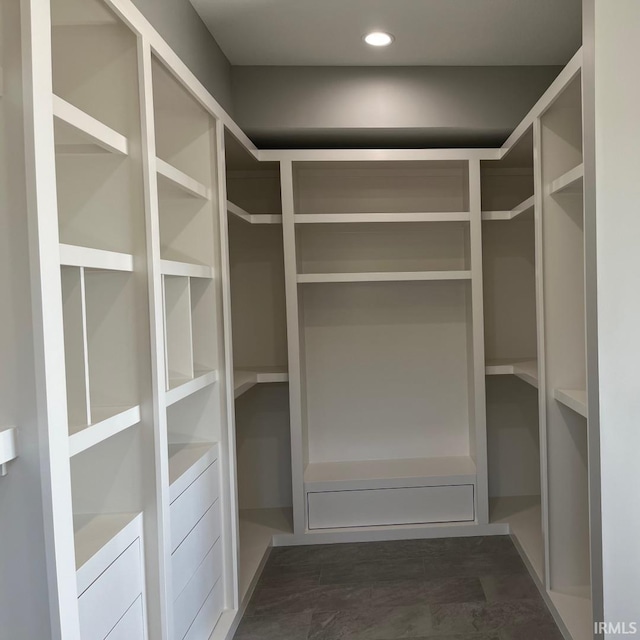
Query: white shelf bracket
x,y
8,449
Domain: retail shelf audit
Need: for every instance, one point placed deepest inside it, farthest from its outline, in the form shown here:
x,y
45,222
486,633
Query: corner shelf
x,y
574,399
98,539
180,388
79,133
186,462
180,181
398,473
109,421
384,276
569,183
524,207
333,218
526,370
253,218
187,269
245,379
75,256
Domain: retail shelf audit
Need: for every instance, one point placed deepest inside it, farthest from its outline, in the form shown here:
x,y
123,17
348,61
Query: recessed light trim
x,y
378,39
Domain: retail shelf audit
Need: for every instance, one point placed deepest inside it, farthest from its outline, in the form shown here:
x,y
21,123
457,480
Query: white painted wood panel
x,y
193,503
186,559
178,337
111,595
208,615
131,626
339,509
188,604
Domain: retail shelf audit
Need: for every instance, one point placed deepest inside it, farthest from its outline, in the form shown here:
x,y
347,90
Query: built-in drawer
x,y
187,509
195,594
209,615
190,554
131,625
371,507
107,600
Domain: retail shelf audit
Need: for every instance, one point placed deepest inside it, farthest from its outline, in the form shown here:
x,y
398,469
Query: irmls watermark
x,y
616,628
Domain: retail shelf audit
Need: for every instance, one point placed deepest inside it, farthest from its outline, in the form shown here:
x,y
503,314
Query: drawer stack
x,y
111,597
196,545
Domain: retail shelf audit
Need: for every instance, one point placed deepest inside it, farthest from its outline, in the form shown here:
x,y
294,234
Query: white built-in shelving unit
x,y
386,358
256,260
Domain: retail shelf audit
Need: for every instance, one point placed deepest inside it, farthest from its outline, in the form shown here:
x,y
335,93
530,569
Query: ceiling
x,y
427,32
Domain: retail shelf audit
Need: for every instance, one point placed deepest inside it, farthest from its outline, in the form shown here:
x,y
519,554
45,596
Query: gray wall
x,y
384,106
180,25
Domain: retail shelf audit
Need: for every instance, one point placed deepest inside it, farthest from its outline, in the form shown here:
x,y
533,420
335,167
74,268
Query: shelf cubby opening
x,y
257,296
100,347
381,187
373,248
195,419
203,325
95,63
562,133
507,184
186,462
184,129
187,228
370,355
178,331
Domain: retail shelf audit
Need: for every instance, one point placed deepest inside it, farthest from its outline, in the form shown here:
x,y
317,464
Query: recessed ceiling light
x,y
378,39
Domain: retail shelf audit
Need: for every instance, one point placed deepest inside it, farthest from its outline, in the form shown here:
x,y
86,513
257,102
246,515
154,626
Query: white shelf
x,y
75,256
523,207
523,514
332,218
99,539
186,463
253,218
384,276
257,528
107,422
570,182
174,268
572,398
78,132
244,379
180,388
180,181
526,370
371,474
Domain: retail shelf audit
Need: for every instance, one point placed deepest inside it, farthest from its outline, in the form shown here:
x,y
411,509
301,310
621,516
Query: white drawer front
x,y
193,503
188,556
371,507
131,626
209,615
195,594
110,596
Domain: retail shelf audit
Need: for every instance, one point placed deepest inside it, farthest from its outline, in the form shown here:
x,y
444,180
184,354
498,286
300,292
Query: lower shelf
x,y
108,422
183,388
246,378
372,474
523,514
526,370
187,462
574,399
575,609
257,528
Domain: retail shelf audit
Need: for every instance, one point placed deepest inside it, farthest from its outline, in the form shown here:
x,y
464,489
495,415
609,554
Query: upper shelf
x,y
245,379
253,218
383,276
332,218
524,207
75,256
188,269
183,389
78,132
574,399
526,370
179,181
570,182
